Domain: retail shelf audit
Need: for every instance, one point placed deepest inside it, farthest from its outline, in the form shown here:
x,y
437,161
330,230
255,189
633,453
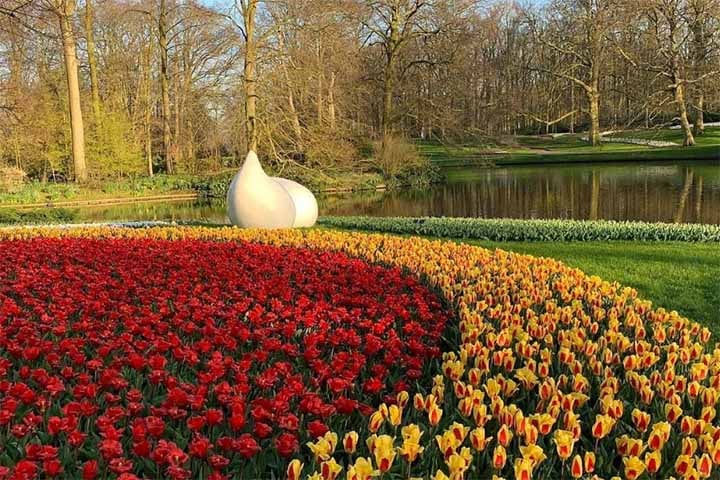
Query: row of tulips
x,y
551,374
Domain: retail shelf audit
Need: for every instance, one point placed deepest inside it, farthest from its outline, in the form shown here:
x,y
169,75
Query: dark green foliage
x,y
46,215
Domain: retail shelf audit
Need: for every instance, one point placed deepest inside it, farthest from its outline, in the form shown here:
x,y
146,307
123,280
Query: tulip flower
x,y
294,470
362,469
564,443
704,465
589,462
683,464
330,469
434,415
410,450
499,457
478,440
641,420
523,469
576,467
653,461
634,467
350,442
533,453
384,452
504,436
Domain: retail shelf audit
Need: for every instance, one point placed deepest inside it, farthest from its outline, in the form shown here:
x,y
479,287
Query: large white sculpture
x,y
258,201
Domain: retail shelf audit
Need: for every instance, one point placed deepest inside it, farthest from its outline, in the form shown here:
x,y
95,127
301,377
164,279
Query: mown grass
x,y
526,149
710,137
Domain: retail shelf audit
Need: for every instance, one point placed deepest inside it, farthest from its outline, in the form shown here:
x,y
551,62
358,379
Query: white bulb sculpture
x,y
255,200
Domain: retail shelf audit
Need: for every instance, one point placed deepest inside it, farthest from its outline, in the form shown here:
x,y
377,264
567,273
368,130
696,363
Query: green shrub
x,y
400,163
530,230
46,215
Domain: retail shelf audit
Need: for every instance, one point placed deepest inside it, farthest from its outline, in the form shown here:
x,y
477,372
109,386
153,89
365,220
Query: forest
x,y
129,88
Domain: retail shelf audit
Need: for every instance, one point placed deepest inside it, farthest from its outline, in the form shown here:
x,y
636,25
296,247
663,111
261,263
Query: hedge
x,y
48,215
530,230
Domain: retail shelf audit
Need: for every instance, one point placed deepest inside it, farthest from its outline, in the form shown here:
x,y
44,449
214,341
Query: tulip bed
x,y
549,373
182,358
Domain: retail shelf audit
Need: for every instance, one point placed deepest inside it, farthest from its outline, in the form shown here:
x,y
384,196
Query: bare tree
x,y
64,10
247,10
670,29
392,25
578,30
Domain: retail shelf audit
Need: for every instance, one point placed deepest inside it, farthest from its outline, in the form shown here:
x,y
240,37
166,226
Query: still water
x,y
659,192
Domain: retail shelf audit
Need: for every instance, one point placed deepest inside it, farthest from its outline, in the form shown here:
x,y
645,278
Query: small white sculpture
x,y
255,200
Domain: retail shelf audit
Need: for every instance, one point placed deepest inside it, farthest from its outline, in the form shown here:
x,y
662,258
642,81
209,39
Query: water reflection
x,y
665,192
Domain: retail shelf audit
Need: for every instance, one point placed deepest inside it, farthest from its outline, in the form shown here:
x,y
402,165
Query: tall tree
x,y
392,25
671,31
247,10
92,62
64,10
578,30
163,32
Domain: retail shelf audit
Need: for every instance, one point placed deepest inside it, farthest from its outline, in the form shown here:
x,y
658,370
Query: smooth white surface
x,y
255,200
306,209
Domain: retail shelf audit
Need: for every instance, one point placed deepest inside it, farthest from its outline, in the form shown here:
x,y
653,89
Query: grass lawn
x,y
674,275
528,149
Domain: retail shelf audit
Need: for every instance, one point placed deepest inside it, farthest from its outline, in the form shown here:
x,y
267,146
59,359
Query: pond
x,y
657,192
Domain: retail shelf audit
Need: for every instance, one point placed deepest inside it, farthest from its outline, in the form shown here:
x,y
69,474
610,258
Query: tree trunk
x,y
177,133
389,76
71,71
331,101
92,63
319,99
147,90
572,107
249,76
165,86
594,101
679,89
700,43
294,118
388,88
699,120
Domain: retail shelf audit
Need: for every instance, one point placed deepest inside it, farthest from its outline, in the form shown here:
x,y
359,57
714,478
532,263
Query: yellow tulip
x,y
410,450
576,467
564,443
362,470
499,458
350,442
294,470
653,461
434,415
330,469
411,433
478,440
384,452
523,469
634,467
394,415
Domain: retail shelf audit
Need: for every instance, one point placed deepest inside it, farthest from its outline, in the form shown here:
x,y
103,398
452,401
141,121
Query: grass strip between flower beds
x,y
555,373
506,229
